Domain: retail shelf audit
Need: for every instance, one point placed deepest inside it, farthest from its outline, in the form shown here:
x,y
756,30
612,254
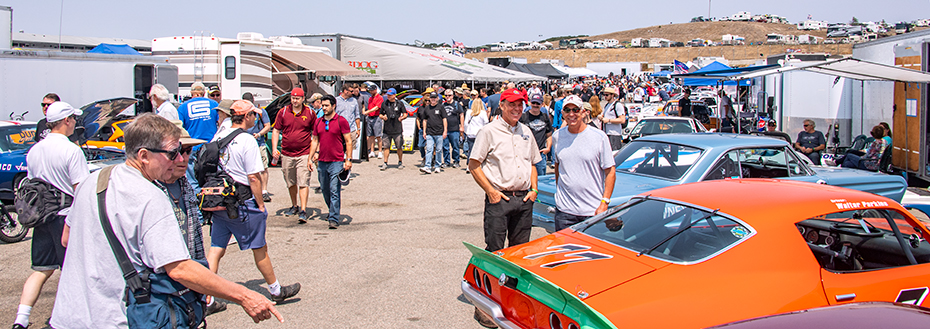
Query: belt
x,y
515,193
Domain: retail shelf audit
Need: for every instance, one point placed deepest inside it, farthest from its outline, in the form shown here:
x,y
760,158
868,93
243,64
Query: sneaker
x,y
333,225
317,190
443,166
437,170
18,326
371,154
292,211
426,170
216,307
380,154
286,292
400,165
483,319
455,165
266,197
302,217
383,166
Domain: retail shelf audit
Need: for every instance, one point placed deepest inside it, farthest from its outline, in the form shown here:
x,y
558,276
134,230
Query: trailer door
x,y
143,78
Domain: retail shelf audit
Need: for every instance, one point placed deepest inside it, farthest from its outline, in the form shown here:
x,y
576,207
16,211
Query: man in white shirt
x,y
614,118
242,161
57,161
160,99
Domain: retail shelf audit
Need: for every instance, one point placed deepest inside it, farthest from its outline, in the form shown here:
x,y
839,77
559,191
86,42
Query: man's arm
x,y
462,122
274,143
495,196
533,193
313,156
609,180
264,130
200,279
348,163
255,184
445,127
548,148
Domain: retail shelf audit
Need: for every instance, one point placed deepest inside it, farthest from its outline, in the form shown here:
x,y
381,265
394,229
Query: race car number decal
x,y
913,296
574,254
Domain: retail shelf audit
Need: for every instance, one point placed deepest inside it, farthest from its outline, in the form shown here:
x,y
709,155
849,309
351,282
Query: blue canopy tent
x,y
713,72
106,48
662,74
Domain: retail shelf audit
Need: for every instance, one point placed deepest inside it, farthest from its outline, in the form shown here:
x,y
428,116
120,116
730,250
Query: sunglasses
x,y
327,125
46,104
573,110
172,154
807,125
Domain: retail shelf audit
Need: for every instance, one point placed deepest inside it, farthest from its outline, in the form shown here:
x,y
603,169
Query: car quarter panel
x,y
889,186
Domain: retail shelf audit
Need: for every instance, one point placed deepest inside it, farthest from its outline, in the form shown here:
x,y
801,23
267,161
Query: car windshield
x,y
658,159
19,137
667,230
661,126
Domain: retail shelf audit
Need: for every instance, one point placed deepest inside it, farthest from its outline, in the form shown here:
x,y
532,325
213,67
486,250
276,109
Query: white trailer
x,y
250,63
78,78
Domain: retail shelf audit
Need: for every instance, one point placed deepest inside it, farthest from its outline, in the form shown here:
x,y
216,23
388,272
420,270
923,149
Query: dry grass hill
x,y
754,32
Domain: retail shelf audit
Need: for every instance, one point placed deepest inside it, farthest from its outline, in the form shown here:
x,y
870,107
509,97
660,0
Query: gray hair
x,y
159,91
811,122
148,131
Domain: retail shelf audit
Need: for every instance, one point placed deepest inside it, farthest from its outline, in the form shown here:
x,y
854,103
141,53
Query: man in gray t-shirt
x,y
614,118
91,288
584,167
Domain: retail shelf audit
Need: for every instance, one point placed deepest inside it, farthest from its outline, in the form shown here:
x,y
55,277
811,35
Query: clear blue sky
x,y
474,22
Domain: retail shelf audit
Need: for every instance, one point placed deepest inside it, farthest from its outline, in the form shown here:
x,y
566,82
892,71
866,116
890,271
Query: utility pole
x,y
708,9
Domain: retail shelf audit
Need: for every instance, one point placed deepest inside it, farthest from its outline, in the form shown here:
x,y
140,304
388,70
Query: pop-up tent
x,y
106,48
574,72
391,61
704,81
540,69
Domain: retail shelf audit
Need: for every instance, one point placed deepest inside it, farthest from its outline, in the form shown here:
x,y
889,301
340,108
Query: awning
x,y
714,72
318,62
849,67
540,69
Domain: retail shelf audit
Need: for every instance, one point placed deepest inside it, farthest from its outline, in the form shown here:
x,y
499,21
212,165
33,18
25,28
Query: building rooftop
x,y
35,41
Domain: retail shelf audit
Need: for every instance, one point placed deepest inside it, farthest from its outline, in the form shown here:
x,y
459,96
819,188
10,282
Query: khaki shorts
x,y
397,139
295,171
263,148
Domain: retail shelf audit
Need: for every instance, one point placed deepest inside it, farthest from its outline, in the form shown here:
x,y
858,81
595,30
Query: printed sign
x,y
911,107
368,66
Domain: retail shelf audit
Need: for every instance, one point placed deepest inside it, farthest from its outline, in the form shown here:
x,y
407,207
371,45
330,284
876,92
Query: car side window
x,y
726,167
763,162
861,240
795,167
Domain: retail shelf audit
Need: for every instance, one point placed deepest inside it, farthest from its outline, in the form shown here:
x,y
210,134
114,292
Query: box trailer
x,y
78,78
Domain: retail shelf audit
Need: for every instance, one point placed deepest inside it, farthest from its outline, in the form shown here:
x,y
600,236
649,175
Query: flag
x,y
809,17
457,44
680,68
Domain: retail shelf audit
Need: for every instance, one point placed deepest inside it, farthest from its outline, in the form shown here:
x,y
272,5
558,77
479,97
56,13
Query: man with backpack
x,y
294,123
614,118
333,139
239,159
259,131
57,161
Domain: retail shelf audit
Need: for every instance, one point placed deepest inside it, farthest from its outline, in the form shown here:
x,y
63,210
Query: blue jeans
x,y
190,173
541,165
433,142
469,143
330,186
421,144
453,139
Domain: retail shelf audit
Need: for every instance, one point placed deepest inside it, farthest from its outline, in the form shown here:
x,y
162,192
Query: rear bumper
x,y
488,306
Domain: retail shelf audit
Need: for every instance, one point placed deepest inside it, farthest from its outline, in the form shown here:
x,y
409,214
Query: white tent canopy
x,y
574,72
390,61
849,67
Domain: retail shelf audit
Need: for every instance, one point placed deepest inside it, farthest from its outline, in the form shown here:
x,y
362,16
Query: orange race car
x,y
708,253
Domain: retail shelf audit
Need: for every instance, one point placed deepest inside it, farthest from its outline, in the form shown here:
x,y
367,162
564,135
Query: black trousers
x,y
507,220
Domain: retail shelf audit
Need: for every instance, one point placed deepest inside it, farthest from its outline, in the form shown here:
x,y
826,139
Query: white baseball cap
x,y
573,99
60,110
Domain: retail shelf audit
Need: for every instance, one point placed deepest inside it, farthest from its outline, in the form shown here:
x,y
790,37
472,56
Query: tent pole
x,y
861,106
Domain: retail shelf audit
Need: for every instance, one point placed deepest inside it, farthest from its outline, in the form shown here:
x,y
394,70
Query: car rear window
x,y
670,231
654,127
657,159
19,137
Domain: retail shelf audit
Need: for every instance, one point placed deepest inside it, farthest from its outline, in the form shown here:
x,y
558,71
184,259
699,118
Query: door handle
x,y
845,297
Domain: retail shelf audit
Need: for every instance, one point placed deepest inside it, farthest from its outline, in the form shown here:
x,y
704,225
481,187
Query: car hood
x,y
626,186
572,262
99,114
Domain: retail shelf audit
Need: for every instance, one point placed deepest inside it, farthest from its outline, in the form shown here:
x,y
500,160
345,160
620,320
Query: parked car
x,y
708,253
848,316
662,125
16,138
657,161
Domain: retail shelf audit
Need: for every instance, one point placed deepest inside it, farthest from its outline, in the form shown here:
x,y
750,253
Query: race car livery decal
x,y
914,296
843,204
578,257
557,250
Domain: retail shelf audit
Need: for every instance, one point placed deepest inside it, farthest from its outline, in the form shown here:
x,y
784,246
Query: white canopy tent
x,y
574,72
391,61
849,67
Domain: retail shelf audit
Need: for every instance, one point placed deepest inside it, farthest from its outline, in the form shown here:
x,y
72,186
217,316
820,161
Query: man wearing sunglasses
x,y
810,141
57,161
333,139
42,126
584,167
242,161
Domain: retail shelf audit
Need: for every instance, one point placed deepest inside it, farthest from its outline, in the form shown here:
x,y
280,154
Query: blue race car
x,y
16,138
657,161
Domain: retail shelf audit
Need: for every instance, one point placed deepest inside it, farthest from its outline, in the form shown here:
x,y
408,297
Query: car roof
x,y
711,140
761,202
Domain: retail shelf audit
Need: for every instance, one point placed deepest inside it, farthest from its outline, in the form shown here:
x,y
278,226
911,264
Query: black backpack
x,y
218,190
208,157
37,202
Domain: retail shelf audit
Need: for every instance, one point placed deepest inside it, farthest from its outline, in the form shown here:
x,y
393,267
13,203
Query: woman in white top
x,y
475,119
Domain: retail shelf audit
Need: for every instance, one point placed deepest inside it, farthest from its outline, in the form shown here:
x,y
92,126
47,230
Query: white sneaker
x,y
380,154
371,154
437,170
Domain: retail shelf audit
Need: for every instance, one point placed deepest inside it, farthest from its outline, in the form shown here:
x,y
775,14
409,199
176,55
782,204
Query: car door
x,y
900,283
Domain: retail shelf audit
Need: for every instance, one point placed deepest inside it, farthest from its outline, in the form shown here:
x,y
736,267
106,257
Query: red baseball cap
x,y
297,92
514,95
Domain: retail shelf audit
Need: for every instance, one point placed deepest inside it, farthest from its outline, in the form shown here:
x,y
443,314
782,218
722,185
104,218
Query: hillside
x,y
754,32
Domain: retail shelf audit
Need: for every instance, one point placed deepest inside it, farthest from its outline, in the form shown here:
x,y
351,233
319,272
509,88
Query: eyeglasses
x,y
46,104
172,154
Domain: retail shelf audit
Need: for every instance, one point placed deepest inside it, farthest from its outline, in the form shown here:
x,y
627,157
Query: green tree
x,y
854,21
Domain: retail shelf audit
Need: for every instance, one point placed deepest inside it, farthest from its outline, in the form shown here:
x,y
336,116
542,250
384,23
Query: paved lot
x,y
397,263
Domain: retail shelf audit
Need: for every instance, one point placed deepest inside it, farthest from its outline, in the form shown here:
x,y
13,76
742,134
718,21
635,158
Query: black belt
x,y
515,193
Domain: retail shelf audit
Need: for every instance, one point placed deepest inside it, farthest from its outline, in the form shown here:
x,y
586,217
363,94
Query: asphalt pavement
x,y
396,262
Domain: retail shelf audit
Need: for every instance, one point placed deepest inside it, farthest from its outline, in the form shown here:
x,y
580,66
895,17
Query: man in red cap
x,y
501,162
295,122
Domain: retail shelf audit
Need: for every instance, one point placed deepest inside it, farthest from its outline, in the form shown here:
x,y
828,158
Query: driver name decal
x,y
843,204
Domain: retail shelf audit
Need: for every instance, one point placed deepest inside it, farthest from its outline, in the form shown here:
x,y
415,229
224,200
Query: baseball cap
x,y
474,92
198,86
391,91
586,106
371,86
315,97
459,90
536,98
213,89
242,107
513,95
772,123
433,95
572,99
185,136
224,106
297,92
60,110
